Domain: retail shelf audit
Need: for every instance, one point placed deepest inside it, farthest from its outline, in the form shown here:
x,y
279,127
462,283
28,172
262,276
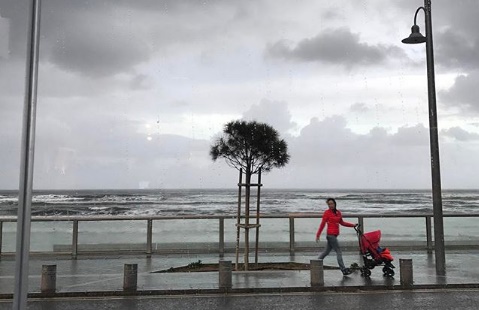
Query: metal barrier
x,y
151,220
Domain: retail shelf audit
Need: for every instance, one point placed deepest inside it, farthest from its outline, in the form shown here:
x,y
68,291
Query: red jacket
x,y
333,221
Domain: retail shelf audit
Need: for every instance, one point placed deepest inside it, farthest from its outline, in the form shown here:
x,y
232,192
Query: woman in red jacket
x,y
333,218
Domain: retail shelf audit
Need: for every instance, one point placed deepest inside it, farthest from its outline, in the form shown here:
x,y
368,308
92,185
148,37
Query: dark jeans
x,y
333,245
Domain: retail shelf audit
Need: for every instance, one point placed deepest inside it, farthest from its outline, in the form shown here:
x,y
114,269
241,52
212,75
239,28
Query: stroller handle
x,y
357,228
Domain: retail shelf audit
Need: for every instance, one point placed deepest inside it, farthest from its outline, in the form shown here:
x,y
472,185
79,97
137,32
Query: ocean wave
x,y
214,202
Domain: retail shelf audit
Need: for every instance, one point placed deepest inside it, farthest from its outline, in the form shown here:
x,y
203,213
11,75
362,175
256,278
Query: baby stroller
x,y
373,254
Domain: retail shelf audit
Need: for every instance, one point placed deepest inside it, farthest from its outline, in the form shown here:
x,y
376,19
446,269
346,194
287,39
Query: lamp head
x,y
415,37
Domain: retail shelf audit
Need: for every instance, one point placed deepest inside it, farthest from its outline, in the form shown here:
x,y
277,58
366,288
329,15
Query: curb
x,y
272,290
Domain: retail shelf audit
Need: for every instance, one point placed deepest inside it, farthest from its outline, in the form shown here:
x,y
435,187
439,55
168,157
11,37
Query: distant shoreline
x,y
341,190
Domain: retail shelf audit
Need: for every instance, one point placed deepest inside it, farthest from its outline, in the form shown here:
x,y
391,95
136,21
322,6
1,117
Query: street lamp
x,y
414,38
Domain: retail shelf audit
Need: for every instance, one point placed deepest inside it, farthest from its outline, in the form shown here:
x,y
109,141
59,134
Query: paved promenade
x,y
105,274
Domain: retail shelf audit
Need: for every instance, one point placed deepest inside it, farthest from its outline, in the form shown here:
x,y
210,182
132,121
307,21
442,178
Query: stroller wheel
x,y
365,272
388,272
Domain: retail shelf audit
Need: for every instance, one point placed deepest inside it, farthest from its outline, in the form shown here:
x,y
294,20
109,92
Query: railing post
x,y
291,235
428,235
75,239
361,227
1,236
149,237
222,237
317,273
49,279
130,277
361,223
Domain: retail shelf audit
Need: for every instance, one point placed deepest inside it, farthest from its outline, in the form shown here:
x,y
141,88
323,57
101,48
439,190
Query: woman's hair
x,y
331,199
334,201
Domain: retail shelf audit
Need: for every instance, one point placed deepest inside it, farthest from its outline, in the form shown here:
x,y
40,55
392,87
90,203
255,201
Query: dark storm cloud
x,y
457,50
464,94
455,25
335,46
79,36
456,45
456,39
97,50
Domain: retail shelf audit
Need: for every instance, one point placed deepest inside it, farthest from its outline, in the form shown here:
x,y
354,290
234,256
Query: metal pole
x,y
149,237
258,205
26,160
222,237
1,236
291,236
428,235
434,144
238,219
75,239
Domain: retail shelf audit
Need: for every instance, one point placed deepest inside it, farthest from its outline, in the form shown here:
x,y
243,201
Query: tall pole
x,y
434,144
26,160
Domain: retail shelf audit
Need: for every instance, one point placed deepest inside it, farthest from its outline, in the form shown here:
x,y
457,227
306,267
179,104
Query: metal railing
x,y
292,217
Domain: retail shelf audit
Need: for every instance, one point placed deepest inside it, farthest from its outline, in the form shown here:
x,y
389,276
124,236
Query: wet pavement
x,y
391,300
105,274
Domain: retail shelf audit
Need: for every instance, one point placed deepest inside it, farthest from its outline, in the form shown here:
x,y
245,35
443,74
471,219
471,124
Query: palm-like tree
x,y
250,147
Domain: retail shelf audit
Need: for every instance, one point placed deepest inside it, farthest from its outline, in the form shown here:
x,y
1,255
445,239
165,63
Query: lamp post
x,y
26,160
415,38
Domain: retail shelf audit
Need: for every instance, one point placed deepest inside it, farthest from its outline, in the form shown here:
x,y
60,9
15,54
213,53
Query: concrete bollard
x,y
48,283
405,266
317,273
225,275
130,277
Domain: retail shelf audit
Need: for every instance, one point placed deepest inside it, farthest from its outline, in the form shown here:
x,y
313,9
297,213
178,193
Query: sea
x,y
186,202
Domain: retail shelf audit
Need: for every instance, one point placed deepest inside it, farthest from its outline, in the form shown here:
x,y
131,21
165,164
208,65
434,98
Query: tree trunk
x,y
246,231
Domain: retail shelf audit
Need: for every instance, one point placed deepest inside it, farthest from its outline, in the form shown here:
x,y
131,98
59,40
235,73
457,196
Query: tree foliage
x,y
251,146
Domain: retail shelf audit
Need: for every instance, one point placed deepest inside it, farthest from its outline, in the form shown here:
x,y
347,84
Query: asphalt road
x,y
428,299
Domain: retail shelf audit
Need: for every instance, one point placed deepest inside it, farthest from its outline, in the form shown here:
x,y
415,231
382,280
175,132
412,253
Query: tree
x,y
250,147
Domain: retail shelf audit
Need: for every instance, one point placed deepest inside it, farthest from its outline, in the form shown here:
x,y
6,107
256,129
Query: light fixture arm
x,y
417,11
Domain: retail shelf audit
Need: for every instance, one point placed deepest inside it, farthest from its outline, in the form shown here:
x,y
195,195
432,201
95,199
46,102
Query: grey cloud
x,y
329,155
331,14
463,94
330,142
455,25
457,50
73,151
104,38
457,40
70,150
274,113
141,82
97,50
78,36
359,107
412,136
335,46
460,134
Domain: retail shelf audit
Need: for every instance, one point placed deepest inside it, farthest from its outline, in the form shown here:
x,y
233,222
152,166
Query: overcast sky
x,y
132,93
